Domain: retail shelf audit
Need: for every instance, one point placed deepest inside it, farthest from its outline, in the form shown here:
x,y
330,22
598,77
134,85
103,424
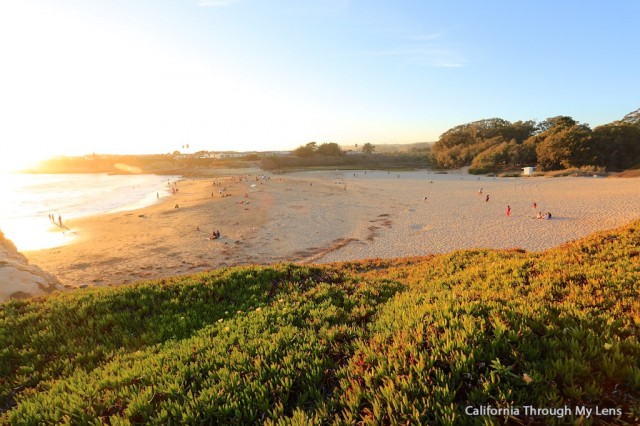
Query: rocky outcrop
x,y
18,279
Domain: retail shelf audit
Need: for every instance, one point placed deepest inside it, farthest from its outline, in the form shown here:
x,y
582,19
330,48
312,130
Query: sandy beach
x,y
327,216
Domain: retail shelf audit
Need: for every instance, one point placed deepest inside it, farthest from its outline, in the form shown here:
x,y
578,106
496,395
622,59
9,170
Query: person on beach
x,y
60,220
480,191
508,211
541,215
487,199
535,205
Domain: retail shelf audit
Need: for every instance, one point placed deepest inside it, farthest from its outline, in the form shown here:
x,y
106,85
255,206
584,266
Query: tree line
x,y
556,143
314,155
329,149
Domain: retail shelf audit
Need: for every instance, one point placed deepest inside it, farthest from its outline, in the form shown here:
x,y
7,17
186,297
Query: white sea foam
x,y
28,199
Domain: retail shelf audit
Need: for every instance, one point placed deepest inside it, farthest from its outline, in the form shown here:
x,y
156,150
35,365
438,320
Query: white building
x,y
221,155
274,153
528,171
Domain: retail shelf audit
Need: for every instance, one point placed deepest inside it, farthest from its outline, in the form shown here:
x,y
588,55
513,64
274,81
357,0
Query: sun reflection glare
x,y
27,235
16,163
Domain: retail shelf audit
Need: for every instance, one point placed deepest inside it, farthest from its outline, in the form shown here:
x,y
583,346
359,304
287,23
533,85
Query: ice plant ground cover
x,y
417,340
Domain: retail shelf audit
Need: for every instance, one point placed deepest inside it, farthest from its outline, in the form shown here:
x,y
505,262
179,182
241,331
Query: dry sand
x,y
334,216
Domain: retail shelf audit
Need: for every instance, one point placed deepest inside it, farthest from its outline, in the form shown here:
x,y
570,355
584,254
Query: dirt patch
x,y
314,253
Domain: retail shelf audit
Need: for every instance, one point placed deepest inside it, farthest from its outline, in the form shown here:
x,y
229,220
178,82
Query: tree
x,y
616,145
330,149
524,153
558,122
566,147
460,145
306,150
368,148
490,159
520,131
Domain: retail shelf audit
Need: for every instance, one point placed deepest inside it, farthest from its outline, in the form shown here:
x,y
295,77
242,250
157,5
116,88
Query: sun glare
x,y
27,235
18,162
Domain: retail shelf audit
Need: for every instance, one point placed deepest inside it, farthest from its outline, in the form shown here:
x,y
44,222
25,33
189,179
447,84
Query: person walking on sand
x,y
487,199
508,211
535,205
60,220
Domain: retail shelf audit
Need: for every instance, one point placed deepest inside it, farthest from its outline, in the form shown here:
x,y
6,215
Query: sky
x,y
152,76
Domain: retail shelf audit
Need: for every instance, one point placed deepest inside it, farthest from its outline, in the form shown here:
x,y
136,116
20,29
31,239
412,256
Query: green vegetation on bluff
x,y
555,143
410,340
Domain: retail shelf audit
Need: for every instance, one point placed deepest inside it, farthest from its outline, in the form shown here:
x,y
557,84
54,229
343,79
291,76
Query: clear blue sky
x,y
149,76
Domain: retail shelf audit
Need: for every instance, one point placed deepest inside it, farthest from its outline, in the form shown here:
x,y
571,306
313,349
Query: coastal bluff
x,y
19,279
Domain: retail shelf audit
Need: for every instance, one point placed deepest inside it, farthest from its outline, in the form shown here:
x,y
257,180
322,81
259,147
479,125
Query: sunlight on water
x,y
28,200
33,235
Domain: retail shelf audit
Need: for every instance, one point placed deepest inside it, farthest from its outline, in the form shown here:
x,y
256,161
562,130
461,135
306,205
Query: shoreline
x,y
64,198
328,216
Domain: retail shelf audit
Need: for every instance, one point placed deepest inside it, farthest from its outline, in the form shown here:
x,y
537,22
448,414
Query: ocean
x,y
29,199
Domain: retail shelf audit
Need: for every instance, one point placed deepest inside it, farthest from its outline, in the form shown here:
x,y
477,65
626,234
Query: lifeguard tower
x,y
528,171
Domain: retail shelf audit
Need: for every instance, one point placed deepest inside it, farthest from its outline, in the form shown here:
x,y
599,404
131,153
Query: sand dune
x,y
334,216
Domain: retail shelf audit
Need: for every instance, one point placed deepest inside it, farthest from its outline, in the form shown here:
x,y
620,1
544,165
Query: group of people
x,y
541,215
52,218
215,235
